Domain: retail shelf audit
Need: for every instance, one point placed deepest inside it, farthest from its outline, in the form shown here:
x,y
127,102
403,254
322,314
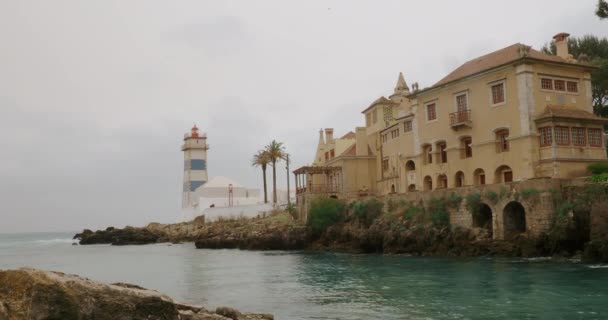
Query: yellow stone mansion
x,y
511,115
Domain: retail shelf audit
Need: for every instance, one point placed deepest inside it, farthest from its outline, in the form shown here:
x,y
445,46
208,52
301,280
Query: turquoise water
x,y
300,285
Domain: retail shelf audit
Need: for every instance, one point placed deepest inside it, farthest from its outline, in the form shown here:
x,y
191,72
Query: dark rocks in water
x,y
292,238
34,294
126,236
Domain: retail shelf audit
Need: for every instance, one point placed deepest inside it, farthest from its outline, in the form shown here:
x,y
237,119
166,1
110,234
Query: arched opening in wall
x,y
503,174
411,188
514,217
466,147
410,166
459,179
442,181
393,188
333,196
427,153
479,177
428,183
482,218
442,152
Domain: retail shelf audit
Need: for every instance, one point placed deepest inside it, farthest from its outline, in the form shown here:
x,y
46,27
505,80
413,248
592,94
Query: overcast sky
x,y
95,96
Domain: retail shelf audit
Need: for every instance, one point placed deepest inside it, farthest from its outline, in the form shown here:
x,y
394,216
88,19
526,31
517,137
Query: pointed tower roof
x,y
401,85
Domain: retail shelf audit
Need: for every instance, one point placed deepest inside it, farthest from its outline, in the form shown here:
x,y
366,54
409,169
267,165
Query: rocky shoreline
x,y
36,294
388,234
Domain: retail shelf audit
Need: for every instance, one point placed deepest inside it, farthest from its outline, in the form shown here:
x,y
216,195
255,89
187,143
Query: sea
x,y
325,285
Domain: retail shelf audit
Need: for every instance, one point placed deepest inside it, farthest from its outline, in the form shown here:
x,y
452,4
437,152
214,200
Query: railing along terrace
x,y
460,117
318,188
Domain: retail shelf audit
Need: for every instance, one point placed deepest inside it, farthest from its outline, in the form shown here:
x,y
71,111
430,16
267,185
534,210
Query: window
x,y
374,115
461,102
368,119
407,126
595,137
578,136
498,93
326,156
427,153
431,112
562,135
385,164
572,86
546,83
443,152
332,153
395,133
559,85
502,140
546,137
388,113
384,137
467,146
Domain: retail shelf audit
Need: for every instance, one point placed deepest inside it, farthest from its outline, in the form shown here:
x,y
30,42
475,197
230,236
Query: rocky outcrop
x,y
34,294
279,238
126,236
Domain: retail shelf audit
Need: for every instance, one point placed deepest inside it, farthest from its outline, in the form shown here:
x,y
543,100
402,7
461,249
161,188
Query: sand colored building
x,y
511,115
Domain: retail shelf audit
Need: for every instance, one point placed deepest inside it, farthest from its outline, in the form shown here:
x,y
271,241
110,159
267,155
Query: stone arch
x,y
479,177
411,188
393,188
428,183
514,220
482,218
410,165
503,174
442,181
459,179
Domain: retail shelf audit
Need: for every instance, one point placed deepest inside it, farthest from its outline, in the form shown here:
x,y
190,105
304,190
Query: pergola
x,y
304,179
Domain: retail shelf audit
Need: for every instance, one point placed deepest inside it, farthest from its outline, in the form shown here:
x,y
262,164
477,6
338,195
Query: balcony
x,y
460,119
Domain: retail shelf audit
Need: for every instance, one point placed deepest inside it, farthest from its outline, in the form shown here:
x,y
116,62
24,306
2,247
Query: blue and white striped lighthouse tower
x,y
195,166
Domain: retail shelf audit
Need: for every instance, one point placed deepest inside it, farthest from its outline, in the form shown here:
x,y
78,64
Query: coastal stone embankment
x,y
27,294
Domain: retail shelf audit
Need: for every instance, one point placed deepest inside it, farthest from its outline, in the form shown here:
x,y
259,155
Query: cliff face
x,y
27,294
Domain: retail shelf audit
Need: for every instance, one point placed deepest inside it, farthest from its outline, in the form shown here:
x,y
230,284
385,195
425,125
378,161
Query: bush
x,y
293,212
598,168
492,196
368,211
474,202
325,212
439,213
412,212
454,200
597,178
529,193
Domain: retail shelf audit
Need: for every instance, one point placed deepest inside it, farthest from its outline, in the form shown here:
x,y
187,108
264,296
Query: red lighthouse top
x,y
194,132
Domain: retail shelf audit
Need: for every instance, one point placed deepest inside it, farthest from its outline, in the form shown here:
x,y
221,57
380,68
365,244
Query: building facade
x,y
511,115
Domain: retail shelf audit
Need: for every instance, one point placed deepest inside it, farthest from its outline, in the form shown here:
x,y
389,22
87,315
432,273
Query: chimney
x,y
329,135
561,44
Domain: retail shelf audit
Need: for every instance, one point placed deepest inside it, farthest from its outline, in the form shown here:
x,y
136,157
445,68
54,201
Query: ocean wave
x,y
598,266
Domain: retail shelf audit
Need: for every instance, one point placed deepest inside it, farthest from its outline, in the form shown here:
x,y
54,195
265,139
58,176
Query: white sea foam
x,y
598,266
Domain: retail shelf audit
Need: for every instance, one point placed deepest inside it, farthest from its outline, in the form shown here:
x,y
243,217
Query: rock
x,y
34,294
228,313
126,236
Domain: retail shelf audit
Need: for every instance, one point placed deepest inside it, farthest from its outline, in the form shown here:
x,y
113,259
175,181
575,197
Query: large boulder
x,y
30,294
126,236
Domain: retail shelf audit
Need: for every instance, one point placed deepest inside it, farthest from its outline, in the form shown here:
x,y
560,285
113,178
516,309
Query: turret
x,y
401,89
195,166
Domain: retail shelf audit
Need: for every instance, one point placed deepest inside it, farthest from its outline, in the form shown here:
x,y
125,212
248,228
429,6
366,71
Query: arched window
x,y
442,181
459,179
411,188
442,152
428,183
393,188
479,176
503,174
502,142
410,166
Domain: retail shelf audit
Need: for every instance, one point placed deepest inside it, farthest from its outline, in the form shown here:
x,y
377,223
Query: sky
x,y
95,96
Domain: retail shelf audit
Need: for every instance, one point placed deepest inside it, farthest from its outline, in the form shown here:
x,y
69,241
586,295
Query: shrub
x,y
529,193
293,212
598,168
412,212
439,212
473,203
503,193
454,200
492,196
368,211
597,178
325,212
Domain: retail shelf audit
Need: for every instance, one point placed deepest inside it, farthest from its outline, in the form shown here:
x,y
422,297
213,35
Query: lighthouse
x,y
195,167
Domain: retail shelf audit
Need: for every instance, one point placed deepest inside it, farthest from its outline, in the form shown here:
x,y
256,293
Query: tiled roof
x,y
381,100
350,152
495,59
563,112
349,135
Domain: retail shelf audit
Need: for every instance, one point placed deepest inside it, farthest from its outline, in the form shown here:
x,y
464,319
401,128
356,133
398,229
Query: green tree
x,y
602,9
276,152
596,50
262,160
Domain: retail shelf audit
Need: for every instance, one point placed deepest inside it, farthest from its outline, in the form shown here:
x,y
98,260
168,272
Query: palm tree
x,y
262,160
276,152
